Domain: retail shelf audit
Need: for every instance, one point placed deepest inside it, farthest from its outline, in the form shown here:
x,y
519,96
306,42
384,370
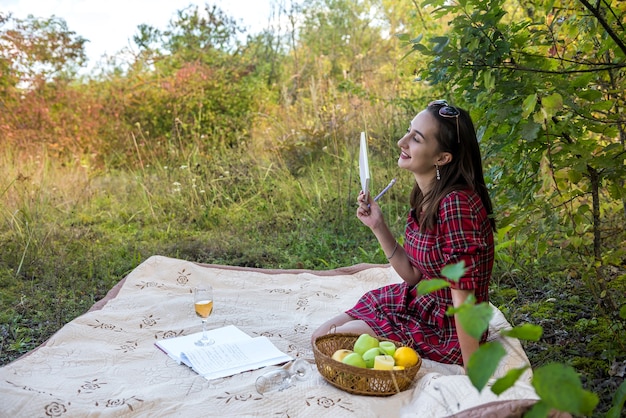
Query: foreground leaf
x,y
484,362
528,332
619,398
474,319
559,387
428,286
454,272
507,380
539,410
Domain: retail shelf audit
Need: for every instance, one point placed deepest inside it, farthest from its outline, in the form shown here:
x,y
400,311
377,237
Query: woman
x,y
450,221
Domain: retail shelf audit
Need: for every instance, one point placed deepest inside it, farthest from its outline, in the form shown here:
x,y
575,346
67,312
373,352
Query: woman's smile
x,y
419,149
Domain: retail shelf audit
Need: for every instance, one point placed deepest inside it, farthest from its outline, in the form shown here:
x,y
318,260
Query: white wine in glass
x,y
203,305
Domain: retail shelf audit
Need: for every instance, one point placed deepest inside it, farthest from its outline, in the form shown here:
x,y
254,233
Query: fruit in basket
x,y
388,347
340,354
406,356
364,343
354,359
369,355
384,362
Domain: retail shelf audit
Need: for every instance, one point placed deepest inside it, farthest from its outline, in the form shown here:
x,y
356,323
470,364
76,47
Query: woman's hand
x,y
369,212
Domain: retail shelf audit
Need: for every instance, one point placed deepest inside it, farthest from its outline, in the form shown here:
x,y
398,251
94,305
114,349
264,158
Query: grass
x,y
70,232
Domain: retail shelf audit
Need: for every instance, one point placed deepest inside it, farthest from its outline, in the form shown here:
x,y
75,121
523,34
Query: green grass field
x,y
70,232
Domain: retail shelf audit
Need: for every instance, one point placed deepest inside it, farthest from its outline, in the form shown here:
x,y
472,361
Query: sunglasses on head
x,y
447,111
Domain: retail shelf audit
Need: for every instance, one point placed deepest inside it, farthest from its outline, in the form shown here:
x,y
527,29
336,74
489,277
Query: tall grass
x,y
69,231
286,199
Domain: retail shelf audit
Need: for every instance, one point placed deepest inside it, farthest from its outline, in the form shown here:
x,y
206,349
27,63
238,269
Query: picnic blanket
x,y
105,362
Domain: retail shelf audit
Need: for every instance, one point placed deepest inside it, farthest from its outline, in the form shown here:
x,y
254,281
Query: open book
x,y
234,352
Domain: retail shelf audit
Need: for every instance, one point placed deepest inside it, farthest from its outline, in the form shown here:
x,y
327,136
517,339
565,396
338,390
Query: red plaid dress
x,y
397,312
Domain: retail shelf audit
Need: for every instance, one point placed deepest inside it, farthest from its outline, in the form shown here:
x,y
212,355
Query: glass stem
x,y
204,337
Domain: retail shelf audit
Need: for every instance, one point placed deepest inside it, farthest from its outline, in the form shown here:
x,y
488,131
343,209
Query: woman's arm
x,y
370,214
468,343
397,256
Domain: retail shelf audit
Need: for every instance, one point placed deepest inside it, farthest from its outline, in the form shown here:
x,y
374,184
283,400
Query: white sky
x,y
109,25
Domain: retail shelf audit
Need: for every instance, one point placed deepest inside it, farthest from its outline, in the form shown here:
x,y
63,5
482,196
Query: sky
x,y
109,25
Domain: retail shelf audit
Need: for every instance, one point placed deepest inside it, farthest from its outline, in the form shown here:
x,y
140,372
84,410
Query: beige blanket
x,y
105,363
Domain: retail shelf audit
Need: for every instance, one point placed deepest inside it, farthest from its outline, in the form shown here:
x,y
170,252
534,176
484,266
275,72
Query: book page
x,y
221,360
364,166
173,347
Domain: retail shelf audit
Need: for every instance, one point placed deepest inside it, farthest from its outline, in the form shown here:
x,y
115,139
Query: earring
x,y
438,173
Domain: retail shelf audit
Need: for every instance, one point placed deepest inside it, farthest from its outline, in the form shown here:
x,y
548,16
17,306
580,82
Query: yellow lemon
x,y
406,356
398,367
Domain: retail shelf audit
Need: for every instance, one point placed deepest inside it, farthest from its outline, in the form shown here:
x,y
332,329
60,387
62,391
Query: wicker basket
x,y
357,380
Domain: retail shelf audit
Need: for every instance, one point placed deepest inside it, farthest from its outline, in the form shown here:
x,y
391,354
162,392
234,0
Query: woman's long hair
x,y
464,172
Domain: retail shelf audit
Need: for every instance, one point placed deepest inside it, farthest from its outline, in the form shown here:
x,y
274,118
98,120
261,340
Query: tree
x,y
39,59
36,49
189,82
546,83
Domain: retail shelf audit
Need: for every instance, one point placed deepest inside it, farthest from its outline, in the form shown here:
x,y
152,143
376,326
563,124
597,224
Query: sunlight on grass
x,y
70,233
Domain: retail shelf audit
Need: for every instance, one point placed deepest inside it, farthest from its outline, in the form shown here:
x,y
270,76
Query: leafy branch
x,y
474,319
596,11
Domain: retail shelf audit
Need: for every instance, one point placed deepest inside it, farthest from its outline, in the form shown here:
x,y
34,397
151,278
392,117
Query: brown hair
x,y
464,172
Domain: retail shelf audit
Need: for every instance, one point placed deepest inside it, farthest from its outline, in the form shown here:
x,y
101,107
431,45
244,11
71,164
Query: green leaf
x,y
454,272
622,312
539,410
505,257
489,80
417,40
528,106
603,105
581,81
440,43
403,37
540,117
507,380
484,362
553,101
551,104
583,210
474,319
504,245
528,332
619,398
574,176
530,130
590,95
428,286
570,396
420,48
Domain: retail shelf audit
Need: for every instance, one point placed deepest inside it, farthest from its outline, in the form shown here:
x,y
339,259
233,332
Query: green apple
x,y
369,355
364,343
354,359
384,362
388,347
340,354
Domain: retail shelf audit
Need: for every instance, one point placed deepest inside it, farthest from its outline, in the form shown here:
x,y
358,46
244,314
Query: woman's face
x,y
419,147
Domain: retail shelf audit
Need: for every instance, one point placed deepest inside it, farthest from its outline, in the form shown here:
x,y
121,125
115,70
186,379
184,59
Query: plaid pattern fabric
x,y
397,312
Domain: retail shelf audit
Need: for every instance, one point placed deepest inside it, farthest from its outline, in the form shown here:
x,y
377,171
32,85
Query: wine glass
x,y
284,377
203,304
